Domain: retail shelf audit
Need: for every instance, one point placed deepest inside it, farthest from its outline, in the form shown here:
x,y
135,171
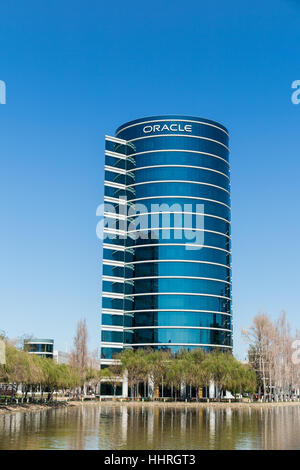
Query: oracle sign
x,y
174,127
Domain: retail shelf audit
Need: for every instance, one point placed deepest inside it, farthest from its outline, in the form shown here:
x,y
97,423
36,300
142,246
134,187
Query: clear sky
x,y
74,71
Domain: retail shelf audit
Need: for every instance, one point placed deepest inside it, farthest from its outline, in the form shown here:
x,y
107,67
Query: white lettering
x,y
174,127
296,94
2,92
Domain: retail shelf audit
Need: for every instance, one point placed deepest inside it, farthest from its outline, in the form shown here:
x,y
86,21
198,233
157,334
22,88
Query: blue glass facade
x,y
166,247
41,347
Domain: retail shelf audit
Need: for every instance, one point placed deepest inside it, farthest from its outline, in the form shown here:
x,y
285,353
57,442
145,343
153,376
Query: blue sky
x,y
76,70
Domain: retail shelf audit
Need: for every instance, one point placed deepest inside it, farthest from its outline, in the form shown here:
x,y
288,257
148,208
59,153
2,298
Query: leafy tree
x,y
219,369
134,363
197,375
175,374
156,366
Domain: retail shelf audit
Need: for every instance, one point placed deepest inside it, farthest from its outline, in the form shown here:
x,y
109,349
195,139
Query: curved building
x,y
40,347
166,247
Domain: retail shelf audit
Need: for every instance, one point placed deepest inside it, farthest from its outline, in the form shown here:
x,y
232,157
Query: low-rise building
x,y
41,347
61,357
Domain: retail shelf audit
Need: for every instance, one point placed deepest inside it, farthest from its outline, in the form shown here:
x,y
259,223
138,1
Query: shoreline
x,y
34,407
30,407
220,405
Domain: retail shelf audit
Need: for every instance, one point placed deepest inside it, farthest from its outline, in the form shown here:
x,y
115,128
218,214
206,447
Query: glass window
x,y
213,208
180,173
181,158
115,162
175,189
110,353
169,318
177,268
114,304
115,320
182,142
179,285
184,221
115,287
113,255
182,335
109,270
178,302
196,237
112,336
144,252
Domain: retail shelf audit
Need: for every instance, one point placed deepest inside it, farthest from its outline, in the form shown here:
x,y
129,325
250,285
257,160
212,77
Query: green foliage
x,y
192,368
34,372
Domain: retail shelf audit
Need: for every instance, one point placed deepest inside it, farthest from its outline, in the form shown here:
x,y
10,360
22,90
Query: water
x,y
102,426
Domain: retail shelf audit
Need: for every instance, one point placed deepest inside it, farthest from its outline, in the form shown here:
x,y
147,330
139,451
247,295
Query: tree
x,y
218,367
79,355
135,363
50,376
156,367
197,375
114,375
17,368
37,373
176,374
259,336
270,353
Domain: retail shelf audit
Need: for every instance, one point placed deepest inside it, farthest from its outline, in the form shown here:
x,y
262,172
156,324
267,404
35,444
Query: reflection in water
x,y
103,426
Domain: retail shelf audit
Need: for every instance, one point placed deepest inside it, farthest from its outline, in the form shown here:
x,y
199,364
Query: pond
x,y
117,427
